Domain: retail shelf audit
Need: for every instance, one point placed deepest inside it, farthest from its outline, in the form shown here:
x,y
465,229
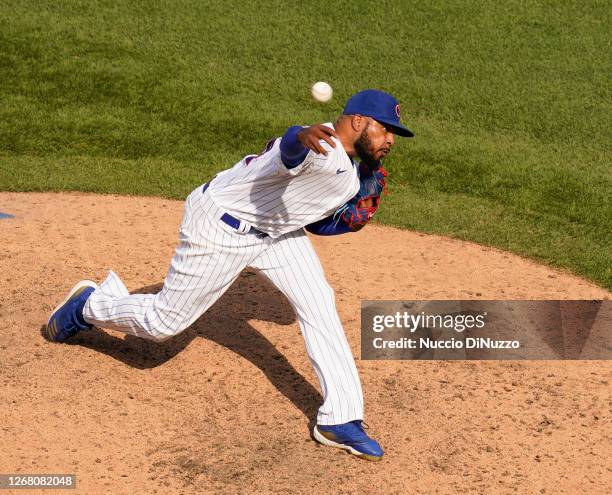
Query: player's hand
x,y
310,137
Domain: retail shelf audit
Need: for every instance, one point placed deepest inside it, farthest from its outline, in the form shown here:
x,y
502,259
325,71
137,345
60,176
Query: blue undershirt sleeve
x,y
328,226
292,151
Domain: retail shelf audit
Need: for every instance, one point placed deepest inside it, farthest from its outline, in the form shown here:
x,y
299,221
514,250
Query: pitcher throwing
x,y
256,214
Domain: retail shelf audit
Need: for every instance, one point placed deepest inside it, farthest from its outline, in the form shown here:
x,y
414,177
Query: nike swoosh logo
x,y
340,171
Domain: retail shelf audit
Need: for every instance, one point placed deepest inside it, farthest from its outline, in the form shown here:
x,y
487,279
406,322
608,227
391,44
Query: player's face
x,y
375,142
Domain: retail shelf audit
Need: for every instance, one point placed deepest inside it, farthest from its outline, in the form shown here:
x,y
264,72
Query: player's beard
x,y
364,149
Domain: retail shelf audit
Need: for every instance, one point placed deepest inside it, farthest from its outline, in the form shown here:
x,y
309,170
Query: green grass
x,y
510,103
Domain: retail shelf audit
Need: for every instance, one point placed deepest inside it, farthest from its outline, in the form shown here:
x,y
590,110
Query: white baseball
x,y
321,91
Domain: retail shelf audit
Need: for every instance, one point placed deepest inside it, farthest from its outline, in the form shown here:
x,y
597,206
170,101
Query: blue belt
x,y
234,222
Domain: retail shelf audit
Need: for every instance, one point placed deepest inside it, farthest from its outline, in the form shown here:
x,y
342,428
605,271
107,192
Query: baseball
x,y
321,91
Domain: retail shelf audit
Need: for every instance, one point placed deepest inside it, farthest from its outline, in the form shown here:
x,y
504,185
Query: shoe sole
x,y
330,443
74,291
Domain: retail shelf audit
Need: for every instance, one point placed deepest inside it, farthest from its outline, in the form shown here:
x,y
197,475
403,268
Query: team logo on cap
x,y
397,111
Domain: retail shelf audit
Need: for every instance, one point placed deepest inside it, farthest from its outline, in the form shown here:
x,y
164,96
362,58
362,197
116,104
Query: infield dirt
x,y
227,406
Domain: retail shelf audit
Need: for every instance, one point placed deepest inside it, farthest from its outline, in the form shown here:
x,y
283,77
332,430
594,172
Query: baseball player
x,y
326,179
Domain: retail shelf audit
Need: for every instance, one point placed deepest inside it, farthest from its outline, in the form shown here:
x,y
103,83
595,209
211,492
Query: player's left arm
x,y
359,210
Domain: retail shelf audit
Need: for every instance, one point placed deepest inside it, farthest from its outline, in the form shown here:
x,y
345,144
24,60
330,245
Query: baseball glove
x,y
353,216
361,208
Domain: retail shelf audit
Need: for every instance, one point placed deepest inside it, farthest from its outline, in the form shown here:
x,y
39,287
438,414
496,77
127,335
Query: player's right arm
x,y
298,141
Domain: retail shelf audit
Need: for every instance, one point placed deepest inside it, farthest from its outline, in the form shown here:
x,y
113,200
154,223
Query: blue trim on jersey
x,y
332,225
292,151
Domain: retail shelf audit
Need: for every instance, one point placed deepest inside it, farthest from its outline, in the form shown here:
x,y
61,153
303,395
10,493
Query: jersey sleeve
x,y
297,158
313,162
293,152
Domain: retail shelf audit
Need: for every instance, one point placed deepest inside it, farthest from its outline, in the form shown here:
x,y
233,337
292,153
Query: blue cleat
x,y
351,437
67,319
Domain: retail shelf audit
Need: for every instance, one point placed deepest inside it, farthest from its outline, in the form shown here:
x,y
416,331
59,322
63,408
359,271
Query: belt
x,y
234,222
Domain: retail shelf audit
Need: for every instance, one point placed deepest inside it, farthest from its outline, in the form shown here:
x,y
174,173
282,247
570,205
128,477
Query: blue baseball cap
x,y
380,106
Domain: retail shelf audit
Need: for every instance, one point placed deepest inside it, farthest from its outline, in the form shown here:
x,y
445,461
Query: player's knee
x,y
162,334
167,323
165,332
323,305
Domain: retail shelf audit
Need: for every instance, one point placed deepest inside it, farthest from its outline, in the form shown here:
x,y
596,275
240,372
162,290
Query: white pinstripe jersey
x,y
261,190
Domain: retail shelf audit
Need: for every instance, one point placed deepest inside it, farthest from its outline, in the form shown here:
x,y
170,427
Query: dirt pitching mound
x,y
226,406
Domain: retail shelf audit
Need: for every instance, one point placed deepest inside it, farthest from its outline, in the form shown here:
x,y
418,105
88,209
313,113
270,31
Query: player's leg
x,y
208,259
293,266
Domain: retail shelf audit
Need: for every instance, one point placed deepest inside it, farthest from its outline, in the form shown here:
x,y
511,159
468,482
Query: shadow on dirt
x,y
226,323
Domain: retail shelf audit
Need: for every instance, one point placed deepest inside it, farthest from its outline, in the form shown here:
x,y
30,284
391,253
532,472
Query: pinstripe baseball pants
x,y
208,259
